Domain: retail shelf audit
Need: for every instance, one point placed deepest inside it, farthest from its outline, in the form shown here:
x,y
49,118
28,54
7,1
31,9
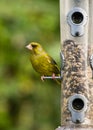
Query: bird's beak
x,y
29,47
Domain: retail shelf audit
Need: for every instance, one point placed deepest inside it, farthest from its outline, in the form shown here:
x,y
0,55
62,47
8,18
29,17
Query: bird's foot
x,y
53,76
42,78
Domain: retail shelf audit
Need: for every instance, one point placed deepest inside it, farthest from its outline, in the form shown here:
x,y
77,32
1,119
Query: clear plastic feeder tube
x,y
76,27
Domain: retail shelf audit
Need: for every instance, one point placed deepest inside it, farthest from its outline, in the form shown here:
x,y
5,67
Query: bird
x,y
43,63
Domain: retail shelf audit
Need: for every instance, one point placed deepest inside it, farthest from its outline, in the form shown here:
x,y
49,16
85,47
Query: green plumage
x,y
44,64
41,61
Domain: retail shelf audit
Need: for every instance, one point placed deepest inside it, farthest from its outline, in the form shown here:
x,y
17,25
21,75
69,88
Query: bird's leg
x,y
42,78
53,76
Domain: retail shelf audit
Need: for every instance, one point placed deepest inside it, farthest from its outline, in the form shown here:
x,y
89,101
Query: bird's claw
x,y
42,78
53,76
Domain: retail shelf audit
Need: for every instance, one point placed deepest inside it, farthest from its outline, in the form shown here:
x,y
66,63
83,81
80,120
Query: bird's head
x,y
35,48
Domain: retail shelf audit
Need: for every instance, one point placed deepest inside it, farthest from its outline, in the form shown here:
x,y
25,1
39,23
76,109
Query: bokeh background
x,y
27,103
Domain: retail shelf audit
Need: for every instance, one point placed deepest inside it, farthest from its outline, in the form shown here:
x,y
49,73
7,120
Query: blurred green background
x,y
27,103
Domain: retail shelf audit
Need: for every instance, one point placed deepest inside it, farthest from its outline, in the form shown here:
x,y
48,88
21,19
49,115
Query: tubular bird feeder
x,y
76,27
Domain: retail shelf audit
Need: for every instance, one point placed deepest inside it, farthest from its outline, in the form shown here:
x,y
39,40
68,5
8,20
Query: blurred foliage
x,y
27,103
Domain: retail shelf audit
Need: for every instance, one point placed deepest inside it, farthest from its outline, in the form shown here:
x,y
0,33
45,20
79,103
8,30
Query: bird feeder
x,y
76,26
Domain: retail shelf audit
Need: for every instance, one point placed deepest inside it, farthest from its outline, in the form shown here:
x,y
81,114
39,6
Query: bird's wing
x,y
52,62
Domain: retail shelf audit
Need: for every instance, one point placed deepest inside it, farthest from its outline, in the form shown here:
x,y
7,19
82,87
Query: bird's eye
x,y
34,45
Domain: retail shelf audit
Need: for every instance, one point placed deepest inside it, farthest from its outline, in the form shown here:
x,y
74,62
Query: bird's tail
x,y
58,80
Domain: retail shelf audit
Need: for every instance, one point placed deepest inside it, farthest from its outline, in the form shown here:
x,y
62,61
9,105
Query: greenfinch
x,y
44,64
